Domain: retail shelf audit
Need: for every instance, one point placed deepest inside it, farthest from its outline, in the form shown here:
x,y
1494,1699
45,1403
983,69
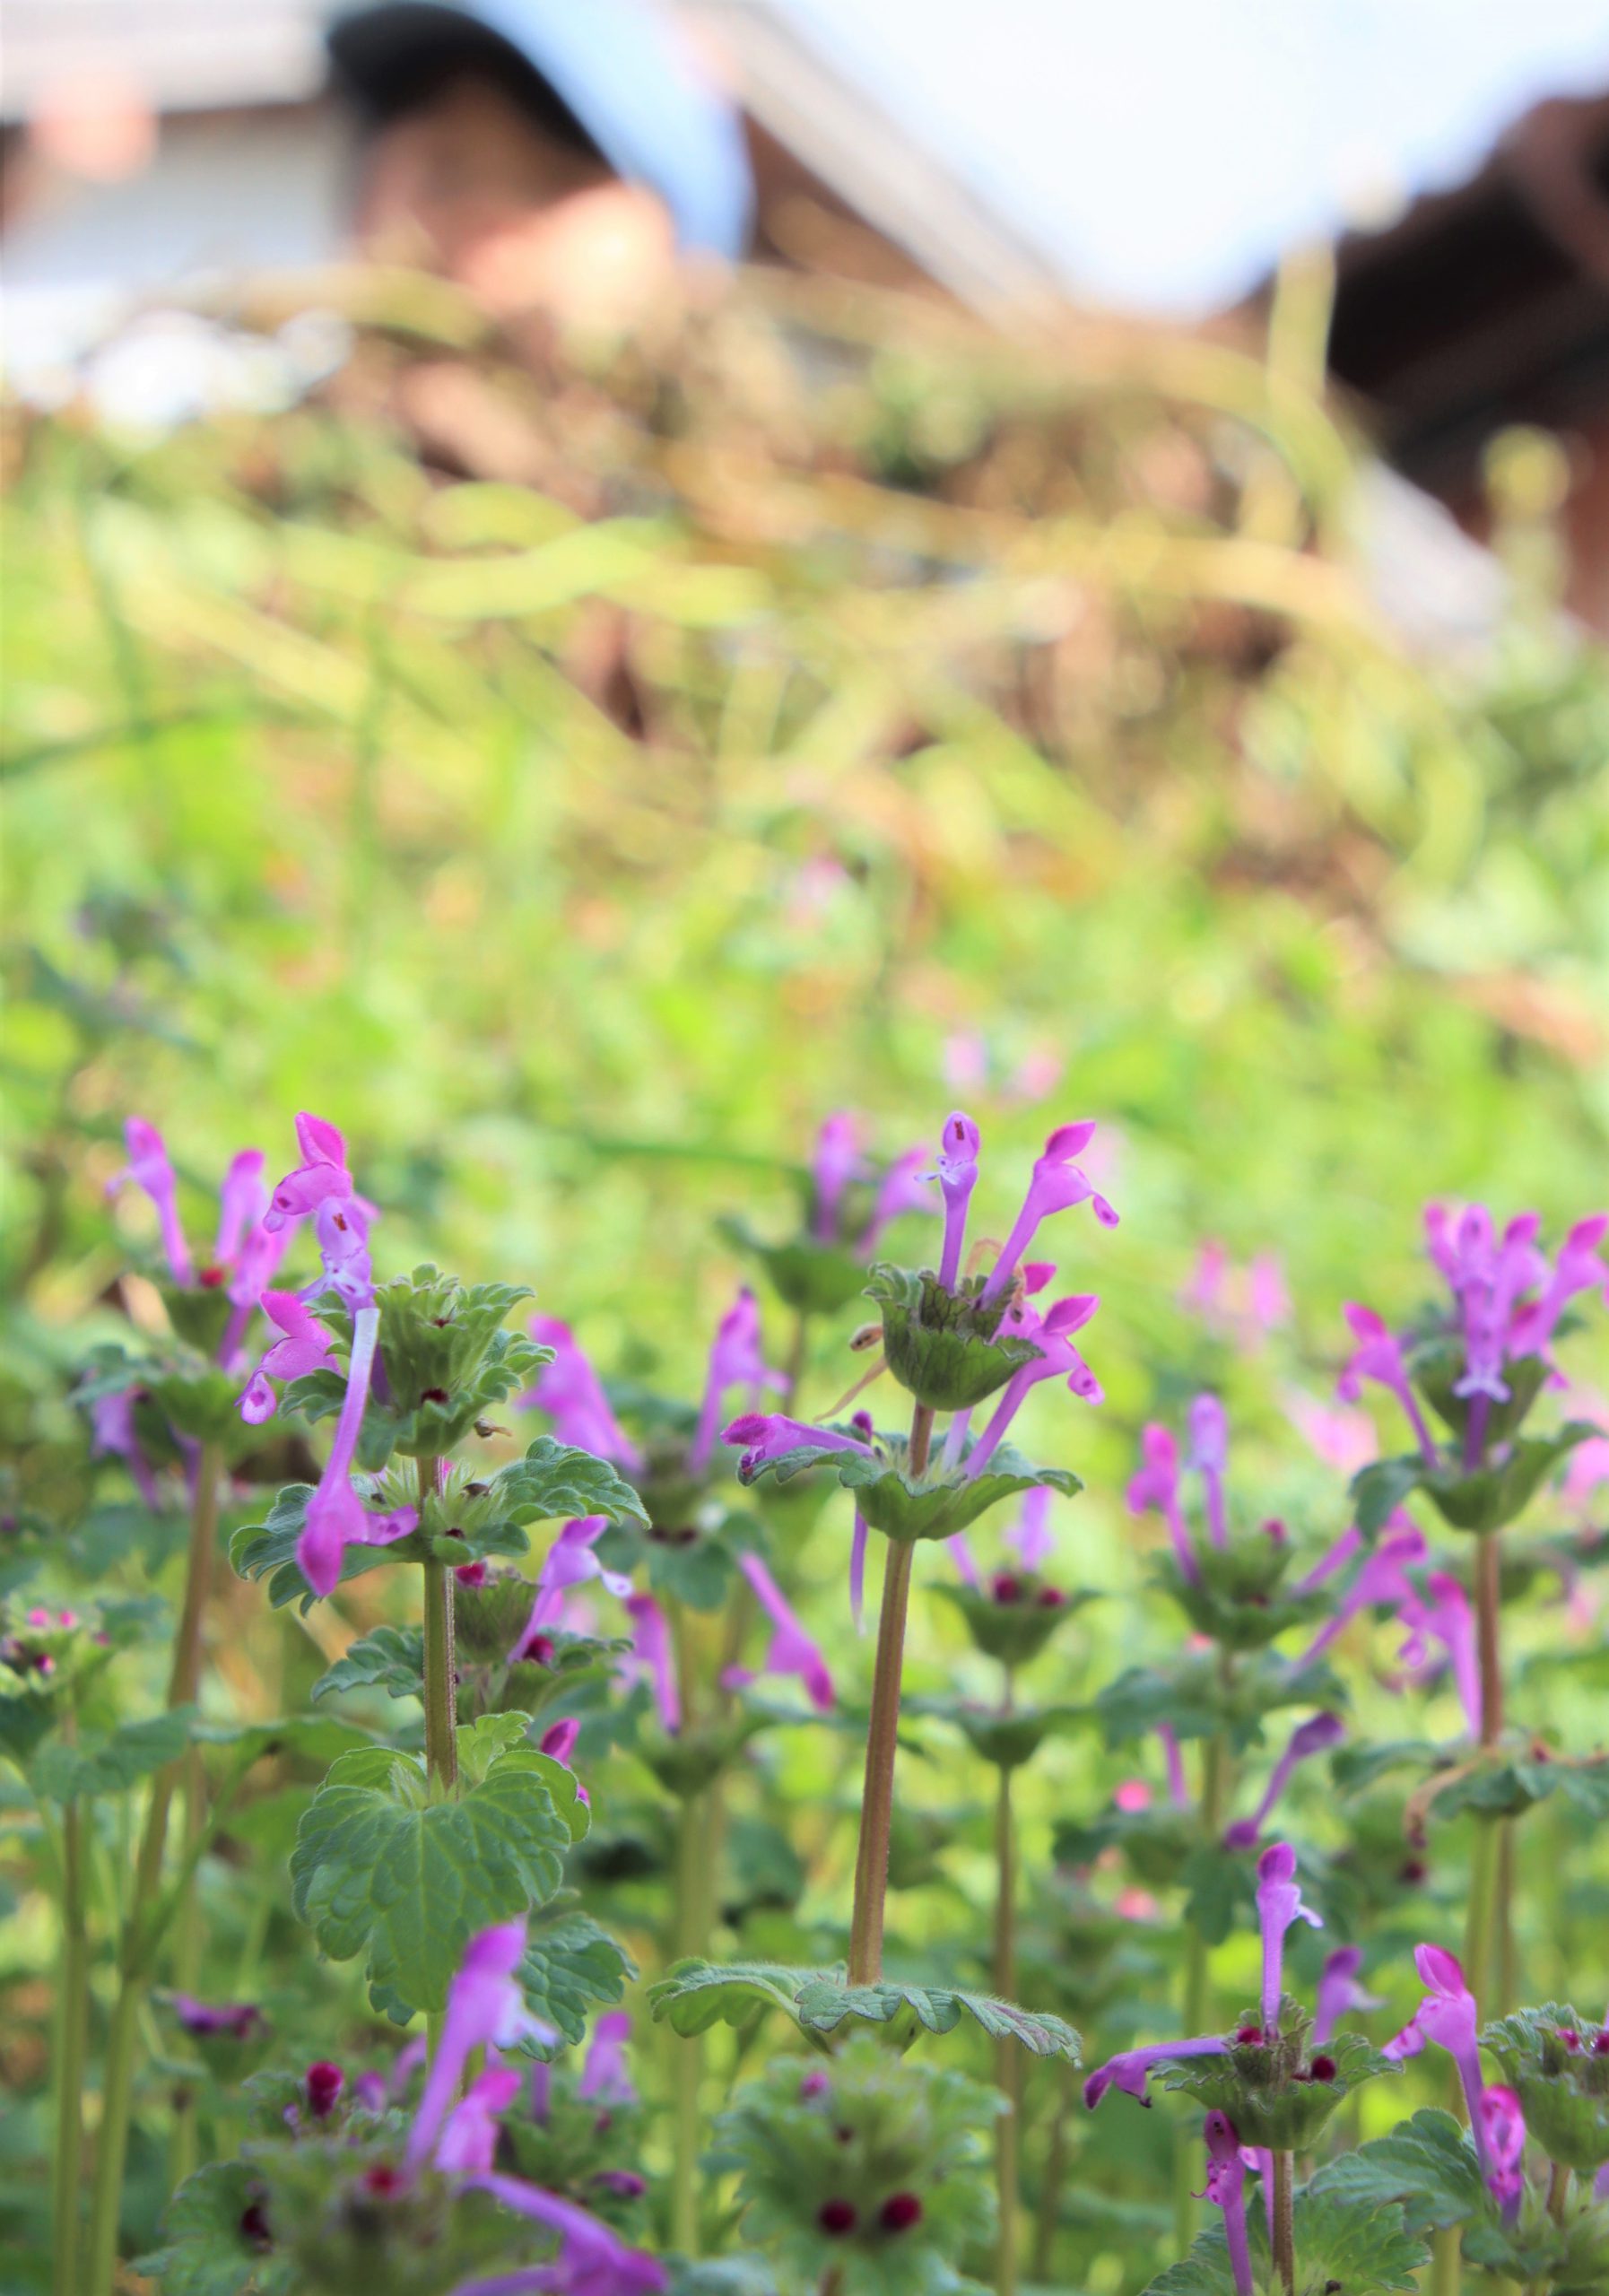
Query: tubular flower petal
x,y
1378,1356
1131,2069
605,2078
837,1160
1030,1534
321,1174
1155,1489
1448,2015
486,2009
1382,1577
1338,1992
651,1636
1209,1456
592,2261
1447,1618
957,1174
570,1562
1279,1904
1226,2188
1502,2129
734,1361
569,1391
770,1435
468,2145
791,1651
336,1517
1057,1358
1309,1738
149,1170
1056,1185
304,1346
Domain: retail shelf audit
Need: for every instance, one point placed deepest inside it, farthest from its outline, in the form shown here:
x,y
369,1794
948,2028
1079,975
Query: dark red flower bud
x,y
470,1574
324,2083
1005,1587
1249,2036
900,2211
1050,1598
210,1278
836,2217
383,2179
253,2227
1322,2068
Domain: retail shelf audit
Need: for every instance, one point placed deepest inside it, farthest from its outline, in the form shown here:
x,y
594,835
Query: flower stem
x,y
1007,2071
1053,2176
1558,2189
1488,1607
136,1944
877,1794
692,1938
1198,1987
1284,2222
440,1673
74,2014
1480,1921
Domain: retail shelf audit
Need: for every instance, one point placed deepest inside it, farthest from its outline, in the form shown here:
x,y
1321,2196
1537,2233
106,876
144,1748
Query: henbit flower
x,y
736,1361
237,2019
149,1170
569,1391
1155,1489
1338,1992
1178,1792
336,1518
468,2145
570,1562
1503,2134
1344,1440
341,1224
605,2078
1209,1456
321,1174
904,1187
558,1742
956,1170
791,1651
1279,1904
242,1201
1448,2015
592,2261
486,2009
837,1159
1131,2069
1031,1535
770,1435
1576,1268
303,1347
1447,1617
858,1574
1382,1577
1378,1356
1309,1738
1226,2188
651,1638
1056,1185
1057,1357
112,1435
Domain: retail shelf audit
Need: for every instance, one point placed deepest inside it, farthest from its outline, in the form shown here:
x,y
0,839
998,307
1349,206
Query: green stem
x,y
1197,2010
877,1792
1007,2070
1054,2175
73,2018
1558,2189
440,1676
688,2055
1480,1919
186,1958
138,1939
1284,2222
1447,2254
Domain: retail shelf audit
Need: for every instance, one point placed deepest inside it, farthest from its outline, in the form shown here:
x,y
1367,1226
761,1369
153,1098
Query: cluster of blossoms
x,y
1507,1304
1244,1305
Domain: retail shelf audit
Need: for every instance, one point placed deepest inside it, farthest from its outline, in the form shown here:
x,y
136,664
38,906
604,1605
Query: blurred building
x,y
1488,305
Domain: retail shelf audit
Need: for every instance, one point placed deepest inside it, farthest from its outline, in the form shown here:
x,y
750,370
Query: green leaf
x,y
558,1482
695,1995
1564,2092
381,1870
1015,1633
204,2251
62,1772
1428,2164
811,1278
932,1506
696,1569
1379,1489
943,1346
1355,1769
390,1658
1490,1499
1191,1696
570,1965
1341,2249
1262,2087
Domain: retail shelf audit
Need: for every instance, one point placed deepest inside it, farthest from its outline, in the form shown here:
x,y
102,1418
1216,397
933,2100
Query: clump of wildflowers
x,y
847,1202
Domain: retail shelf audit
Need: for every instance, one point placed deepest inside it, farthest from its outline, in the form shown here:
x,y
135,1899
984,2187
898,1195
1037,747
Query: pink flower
x,y
1057,1184
651,1638
1338,1993
1502,2140
1226,2188
770,1435
570,1562
1448,2015
1317,1736
1209,1456
321,1174
569,1391
1057,1358
1131,2069
304,1347
336,1517
957,1172
1447,1617
1279,1905
734,1361
149,1170
791,1651
1378,1356
486,2009
1156,1488
838,1161
605,2078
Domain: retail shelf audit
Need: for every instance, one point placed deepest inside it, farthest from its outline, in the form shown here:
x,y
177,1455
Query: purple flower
x,y
903,1187
1057,1184
149,1170
734,1361
304,1347
857,1573
1502,2140
558,1742
1338,1992
1447,1618
1378,1356
1209,1456
1057,1357
570,1562
1279,1904
321,2086
1226,2188
336,1518
321,1174
1030,1534
1156,1488
1178,1792
1382,1577
486,2009
1448,2015
237,2019
1131,2069
242,1201
957,1173
768,1435
651,1638
569,1391
592,2260
341,1226
112,1435
791,1651
605,2078
468,2145
1578,1269
1309,1738
838,1161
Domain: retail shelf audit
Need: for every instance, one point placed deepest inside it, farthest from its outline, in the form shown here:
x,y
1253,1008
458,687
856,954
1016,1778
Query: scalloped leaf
x,y
558,1482
1190,1695
1427,2164
1340,2249
1266,2105
933,1506
943,1346
570,1967
695,1995
62,1772
811,1278
388,1657
381,1870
